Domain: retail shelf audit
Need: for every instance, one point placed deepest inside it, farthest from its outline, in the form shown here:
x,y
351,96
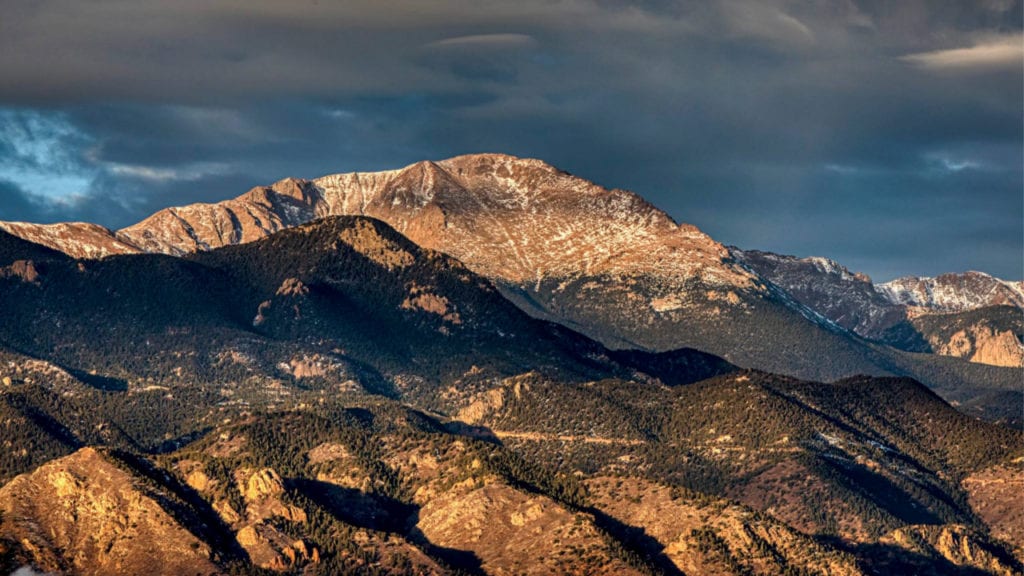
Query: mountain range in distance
x,y
519,221
610,265
485,365
986,309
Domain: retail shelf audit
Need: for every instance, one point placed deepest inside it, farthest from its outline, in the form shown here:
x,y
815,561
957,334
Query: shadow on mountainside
x,y
190,509
383,514
880,558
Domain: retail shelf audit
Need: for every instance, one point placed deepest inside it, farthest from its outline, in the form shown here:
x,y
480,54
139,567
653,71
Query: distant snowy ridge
x,y
953,292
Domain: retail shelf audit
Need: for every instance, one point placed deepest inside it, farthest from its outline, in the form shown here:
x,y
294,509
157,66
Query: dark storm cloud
x,y
20,205
884,134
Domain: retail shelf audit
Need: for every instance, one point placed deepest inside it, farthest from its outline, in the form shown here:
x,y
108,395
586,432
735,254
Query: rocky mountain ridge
x,y
82,514
954,292
847,298
574,226
946,293
910,312
359,484
524,218
602,262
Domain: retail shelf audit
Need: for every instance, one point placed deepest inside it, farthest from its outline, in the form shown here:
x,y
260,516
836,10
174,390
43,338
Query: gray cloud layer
x,y
883,134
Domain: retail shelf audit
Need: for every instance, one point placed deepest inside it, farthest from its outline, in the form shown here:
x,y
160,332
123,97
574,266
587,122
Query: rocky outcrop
x,y
982,344
82,514
254,526
292,287
311,366
266,545
270,548
424,300
704,535
25,270
261,485
958,545
993,335
513,532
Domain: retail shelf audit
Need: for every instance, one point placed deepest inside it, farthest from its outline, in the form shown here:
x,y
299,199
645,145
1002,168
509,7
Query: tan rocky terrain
x,y
704,535
513,532
254,215
983,345
993,335
85,515
381,489
960,547
996,495
430,503
25,270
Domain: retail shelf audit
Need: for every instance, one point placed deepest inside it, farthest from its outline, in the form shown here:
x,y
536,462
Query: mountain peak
x,y
522,219
501,164
505,216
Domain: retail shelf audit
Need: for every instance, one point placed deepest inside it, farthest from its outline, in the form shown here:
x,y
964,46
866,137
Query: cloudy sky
x,y
886,134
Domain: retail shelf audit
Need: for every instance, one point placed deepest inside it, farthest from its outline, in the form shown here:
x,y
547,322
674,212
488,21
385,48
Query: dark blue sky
x,y
884,134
